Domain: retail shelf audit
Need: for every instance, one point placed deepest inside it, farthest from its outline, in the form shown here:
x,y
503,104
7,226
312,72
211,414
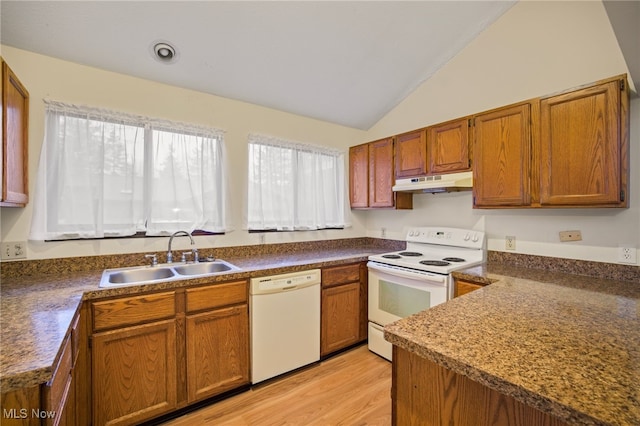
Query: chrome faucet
x,y
176,234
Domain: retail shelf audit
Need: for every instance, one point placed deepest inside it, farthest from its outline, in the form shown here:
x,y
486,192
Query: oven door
x,y
396,293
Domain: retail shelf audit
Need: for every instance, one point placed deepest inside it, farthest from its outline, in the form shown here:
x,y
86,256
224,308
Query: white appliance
x,y
285,323
408,281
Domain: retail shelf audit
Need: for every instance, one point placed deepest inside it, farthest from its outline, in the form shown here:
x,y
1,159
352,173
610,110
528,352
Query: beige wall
x,y
50,78
534,49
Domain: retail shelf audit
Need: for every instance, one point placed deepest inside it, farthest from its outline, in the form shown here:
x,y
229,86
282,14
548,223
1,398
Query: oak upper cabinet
x,y
502,157
411,154
217,339
381,173
14,153
359,176
371,177
584,146
448,147
134,363
343,310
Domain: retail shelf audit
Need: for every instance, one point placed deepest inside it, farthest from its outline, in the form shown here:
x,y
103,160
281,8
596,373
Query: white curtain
x,y
294,186
187,188
105,174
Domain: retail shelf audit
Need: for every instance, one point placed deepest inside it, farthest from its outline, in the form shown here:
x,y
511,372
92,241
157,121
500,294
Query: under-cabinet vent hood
x,y
439,183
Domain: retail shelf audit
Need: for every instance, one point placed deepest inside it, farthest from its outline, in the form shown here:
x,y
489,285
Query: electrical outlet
x,y
14,250
510,242
627,255
570,236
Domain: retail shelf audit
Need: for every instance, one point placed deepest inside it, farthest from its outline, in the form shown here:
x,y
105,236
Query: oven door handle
x,y
399,272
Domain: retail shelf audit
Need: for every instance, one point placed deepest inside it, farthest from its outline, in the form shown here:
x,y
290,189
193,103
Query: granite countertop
x,y
566,344
37,310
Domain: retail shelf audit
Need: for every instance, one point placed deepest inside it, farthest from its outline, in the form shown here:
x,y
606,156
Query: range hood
x,y
451,182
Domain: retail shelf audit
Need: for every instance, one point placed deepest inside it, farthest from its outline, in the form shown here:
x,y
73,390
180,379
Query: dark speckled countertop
x,y
36,309
566,344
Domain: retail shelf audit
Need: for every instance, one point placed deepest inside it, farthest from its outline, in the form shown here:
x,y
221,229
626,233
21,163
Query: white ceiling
x,y
343,62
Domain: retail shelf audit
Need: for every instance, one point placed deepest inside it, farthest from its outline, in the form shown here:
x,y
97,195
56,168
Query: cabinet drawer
x,y
133,310
217,295
340,274
55,392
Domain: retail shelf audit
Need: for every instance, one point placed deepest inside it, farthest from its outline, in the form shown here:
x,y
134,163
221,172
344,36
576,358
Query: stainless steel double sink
x,y
162,273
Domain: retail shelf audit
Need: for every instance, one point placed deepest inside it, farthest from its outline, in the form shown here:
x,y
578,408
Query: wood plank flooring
x,y
353,388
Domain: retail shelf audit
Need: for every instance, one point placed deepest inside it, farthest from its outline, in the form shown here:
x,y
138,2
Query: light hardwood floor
x,y
353,388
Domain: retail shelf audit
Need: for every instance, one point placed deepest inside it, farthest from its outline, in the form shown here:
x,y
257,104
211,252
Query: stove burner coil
x,y
391,256
434,262
410,254
453,259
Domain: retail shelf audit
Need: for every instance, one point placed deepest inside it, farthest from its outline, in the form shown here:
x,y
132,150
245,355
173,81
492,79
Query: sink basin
x,y
163,273
205,268
138,275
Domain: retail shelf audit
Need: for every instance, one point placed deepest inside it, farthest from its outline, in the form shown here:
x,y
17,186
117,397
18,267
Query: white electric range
x,y
408,281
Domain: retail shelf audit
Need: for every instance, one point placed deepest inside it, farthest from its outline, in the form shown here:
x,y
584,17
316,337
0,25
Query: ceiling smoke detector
x,y
164,52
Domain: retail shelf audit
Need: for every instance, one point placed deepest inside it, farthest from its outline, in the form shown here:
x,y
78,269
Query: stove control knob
x,y
475,238
467,236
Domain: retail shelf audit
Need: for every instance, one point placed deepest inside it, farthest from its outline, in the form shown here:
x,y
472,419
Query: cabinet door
x,y
359,176
381,175
464,287
134,373
411,154
15,125
340,317
580,147
448,147
502,158
217,351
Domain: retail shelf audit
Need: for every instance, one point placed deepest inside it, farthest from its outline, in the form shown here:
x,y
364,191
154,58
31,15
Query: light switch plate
x,y
570,236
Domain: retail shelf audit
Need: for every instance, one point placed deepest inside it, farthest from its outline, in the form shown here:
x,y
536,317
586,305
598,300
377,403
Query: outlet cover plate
x,y
627,255
13,250
510,242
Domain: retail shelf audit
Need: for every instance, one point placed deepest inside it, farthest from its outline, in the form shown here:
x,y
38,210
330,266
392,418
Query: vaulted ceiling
x,y
346,62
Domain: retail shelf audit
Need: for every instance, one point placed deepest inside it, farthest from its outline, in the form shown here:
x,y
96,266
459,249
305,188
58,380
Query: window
x,y
106,174
294,186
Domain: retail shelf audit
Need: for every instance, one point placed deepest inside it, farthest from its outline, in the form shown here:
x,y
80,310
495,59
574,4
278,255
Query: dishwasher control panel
x,y
284,282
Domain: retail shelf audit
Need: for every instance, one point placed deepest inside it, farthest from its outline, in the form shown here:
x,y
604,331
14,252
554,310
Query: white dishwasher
x,y
285,323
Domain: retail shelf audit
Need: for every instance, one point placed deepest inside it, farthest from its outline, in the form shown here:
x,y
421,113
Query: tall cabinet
x,y
14,154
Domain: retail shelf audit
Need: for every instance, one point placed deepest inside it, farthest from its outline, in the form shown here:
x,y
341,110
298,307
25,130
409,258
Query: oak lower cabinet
x,y
426,393
371,177
134,358
14,184
217,342
57,402
344,307
155,353
462,287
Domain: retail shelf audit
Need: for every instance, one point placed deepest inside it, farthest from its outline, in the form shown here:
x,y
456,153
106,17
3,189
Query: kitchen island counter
x,y
37,307
565,344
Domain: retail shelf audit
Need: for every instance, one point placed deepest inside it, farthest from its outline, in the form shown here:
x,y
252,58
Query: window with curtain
x,y
108,174
294,186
